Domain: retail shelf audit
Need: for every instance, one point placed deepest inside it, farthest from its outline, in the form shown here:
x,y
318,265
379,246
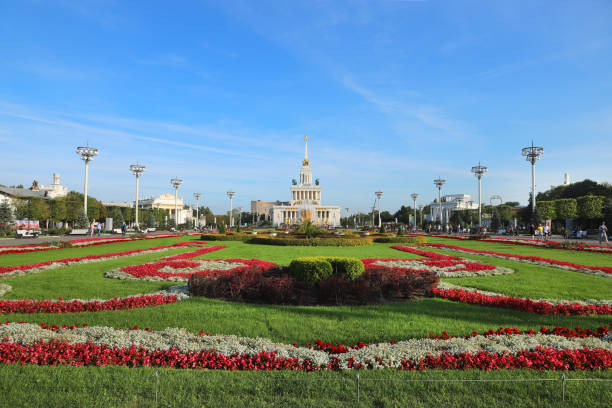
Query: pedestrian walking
x,y
123,228
99,228
603,233
91,229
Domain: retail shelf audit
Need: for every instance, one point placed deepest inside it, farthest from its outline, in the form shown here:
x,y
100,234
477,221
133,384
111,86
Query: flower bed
x,y
569,245
82,242
523,304
444,268
77,306
596,302
604,271
6,271
32,344
182,270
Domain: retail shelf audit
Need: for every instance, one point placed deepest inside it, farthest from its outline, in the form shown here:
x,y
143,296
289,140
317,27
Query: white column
x,y
86,177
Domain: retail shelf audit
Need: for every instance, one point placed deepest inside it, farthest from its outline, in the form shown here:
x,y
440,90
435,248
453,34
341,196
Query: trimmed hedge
x,y
311,269
290,241
401,240
351,268
225,237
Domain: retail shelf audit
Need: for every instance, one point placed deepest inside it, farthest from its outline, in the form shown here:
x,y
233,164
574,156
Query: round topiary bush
x,y
412,239
311,269
351,268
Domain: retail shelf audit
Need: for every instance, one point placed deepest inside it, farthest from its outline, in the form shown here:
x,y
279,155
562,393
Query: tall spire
x,y
306,162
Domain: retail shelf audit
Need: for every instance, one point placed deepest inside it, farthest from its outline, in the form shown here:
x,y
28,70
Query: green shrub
x,y
412,239
351,268
311,269
225,237
294,241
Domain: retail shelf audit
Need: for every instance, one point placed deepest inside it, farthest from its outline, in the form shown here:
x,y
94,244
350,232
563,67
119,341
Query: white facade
x,y
166,202
306,202
450,203
56,189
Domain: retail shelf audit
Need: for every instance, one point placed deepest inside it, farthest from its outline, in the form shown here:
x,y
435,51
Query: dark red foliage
x,y
275,286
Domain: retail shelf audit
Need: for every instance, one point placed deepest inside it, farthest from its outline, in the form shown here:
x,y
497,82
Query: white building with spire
x,y
306,202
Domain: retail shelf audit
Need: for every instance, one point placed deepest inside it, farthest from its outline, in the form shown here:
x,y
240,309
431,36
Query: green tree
x,y
566,208
6,213
504,213
57,211
546,209
82,221
590,207
512,203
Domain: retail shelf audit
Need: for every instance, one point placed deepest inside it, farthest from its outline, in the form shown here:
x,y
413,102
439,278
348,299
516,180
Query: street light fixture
x,y
379,195
231,195
414,198
532,154
87,154
137,169
197,197
176,182
439,183
479,171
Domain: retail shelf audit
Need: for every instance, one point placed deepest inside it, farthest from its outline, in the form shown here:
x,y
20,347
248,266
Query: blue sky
x,y
220,93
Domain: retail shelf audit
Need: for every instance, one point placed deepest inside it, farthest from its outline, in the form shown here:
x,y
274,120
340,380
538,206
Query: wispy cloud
x,y
428,115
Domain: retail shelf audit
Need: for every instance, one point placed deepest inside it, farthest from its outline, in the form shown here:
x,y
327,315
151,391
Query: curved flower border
x,y
83,242
7,271
530,242
31,344
444,268
475,297
603,271
151,271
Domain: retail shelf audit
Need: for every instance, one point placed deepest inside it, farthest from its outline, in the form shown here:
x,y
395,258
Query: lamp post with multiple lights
x,y
479,171
137,169
197,197
414,198
379,195
231,195
176,182
87,154
439,183
532,154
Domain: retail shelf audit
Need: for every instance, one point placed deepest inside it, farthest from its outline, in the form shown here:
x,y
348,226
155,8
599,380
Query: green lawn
x,y
135,387
119,386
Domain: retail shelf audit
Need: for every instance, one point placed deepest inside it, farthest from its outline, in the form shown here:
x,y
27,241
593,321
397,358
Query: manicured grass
x,y
283,255
125,387
42,256
579,257
301,324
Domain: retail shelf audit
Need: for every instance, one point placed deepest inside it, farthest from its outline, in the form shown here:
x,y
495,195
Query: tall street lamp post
x,y
414,198
176,182
137,169
348,216
421,211
87,154
379,195
532,154
439,183
197,197
231,195
479,171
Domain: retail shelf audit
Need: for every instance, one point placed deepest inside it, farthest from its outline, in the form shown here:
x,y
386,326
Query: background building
x,y
305,202
166,203
450,203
